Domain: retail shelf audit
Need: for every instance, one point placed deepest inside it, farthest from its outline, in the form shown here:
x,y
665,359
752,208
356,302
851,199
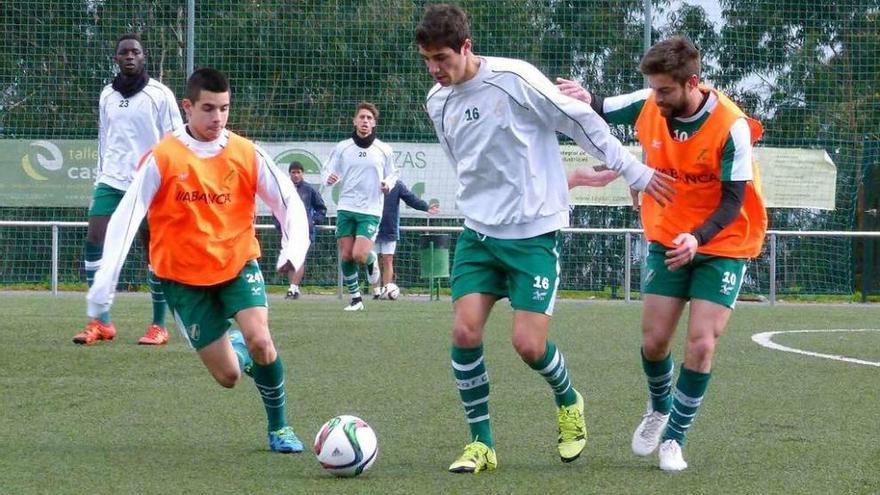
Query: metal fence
x,y
766,279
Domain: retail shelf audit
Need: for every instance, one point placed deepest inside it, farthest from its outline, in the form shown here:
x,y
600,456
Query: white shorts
x,y
386,247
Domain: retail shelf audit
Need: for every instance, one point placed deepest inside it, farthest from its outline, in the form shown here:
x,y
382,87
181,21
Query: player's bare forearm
x,y
589,176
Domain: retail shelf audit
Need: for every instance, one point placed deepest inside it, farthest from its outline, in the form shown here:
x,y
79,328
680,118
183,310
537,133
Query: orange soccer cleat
x,y
155,335
94,331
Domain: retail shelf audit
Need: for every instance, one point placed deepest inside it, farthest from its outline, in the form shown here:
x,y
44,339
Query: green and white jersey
x,y
736,157
361,173
498,130
128,127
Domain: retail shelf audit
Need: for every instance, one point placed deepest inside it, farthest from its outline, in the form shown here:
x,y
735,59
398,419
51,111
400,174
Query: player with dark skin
x,y
135,111
130,59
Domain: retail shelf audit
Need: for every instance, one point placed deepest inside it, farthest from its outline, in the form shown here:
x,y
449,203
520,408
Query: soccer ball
x,y
392,291
346,446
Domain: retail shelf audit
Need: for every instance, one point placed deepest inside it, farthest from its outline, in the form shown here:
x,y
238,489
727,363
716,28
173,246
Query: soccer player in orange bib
x,y
700,242
198,189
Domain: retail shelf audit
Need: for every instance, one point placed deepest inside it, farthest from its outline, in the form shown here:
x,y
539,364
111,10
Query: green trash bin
x,y
434,261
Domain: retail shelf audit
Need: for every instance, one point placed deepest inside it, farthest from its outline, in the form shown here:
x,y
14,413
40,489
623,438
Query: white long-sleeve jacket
x,y
361,171
128,127
499,131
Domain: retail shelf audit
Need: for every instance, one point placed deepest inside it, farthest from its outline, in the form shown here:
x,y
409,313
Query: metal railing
x,y
772,239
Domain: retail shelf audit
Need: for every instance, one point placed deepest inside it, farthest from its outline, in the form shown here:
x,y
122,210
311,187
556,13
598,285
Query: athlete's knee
x,y
656,341
361,258
466,335
701,348
94,239
262,349
95,236
227,378
529,348
655,346
97,230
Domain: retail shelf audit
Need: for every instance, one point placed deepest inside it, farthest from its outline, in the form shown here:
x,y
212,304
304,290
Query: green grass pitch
x,y
118,418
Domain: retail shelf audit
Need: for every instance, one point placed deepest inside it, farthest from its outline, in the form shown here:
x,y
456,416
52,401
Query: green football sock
x,y
473,387
552,367
350,278
158,298
270,383
686,399
659,375
94,253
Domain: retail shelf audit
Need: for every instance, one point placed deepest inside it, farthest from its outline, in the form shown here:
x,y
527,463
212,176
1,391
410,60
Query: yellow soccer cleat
x,y
477,457
572,430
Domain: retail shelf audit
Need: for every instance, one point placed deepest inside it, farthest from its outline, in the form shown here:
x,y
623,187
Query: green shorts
x,y
105,200
202,313
711,278
524,270
351,224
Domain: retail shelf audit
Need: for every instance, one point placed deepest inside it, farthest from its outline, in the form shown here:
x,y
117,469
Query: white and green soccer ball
x,y
391,291
346,446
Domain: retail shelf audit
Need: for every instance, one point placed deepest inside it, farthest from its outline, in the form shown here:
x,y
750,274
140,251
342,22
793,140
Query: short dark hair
x,y
129,36
365,105
443,25
207,79
295,165
676,56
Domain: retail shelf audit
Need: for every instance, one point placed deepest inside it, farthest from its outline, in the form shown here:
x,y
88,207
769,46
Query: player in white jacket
x,y
135,111
364,167
497,119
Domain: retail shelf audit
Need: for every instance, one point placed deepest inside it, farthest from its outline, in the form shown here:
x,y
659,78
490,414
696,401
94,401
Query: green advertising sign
x,y
62,173
59,172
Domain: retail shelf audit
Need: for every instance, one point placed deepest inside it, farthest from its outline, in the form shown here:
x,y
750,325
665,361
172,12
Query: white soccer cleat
x,y
355,306
373,271
646,438
671,458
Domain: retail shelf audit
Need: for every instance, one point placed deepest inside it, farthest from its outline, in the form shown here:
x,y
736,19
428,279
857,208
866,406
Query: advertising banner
x,y
45,173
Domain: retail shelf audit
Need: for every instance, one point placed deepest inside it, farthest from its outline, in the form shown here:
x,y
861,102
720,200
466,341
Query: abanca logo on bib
x,y
203,197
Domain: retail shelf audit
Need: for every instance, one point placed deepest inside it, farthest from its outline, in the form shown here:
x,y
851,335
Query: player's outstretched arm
x,y
411,199
578,121
121,231
574,90
588,176
276,190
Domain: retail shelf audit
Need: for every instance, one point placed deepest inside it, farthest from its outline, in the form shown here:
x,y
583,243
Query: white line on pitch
x,y
764,339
